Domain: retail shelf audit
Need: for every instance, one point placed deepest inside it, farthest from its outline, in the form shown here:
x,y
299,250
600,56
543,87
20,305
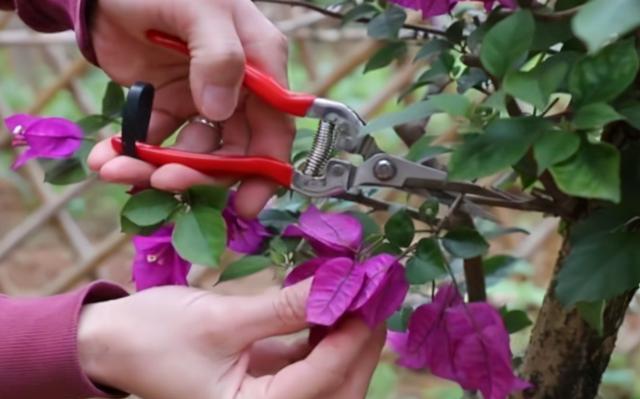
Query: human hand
x,y
178,342
221,34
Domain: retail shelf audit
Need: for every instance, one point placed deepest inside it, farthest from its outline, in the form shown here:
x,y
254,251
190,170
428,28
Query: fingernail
x,y
218,102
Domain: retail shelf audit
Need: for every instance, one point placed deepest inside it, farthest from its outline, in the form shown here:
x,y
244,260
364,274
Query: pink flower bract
x,y
466,343
44,137
243,236
330,234
156,262
432,8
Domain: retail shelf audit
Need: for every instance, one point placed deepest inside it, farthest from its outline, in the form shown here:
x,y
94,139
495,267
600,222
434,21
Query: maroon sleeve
x,y
56,16
38,345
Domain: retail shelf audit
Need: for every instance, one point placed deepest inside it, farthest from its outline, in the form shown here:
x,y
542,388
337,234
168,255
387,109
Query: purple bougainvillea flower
x,y
335,285
44,137
432,8
330,234
156,261
243,236
466,343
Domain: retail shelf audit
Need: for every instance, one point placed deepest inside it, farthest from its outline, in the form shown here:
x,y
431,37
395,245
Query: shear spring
x,y
323,144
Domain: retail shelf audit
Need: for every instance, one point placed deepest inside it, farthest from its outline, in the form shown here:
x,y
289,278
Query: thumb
x,y
217,65
272,314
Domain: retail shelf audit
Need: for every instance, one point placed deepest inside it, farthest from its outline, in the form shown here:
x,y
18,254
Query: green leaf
x,y
599,267
65,171
200,236
206,195
93,123
605,75
422,149
113,100
429,209
498,263
602,21
548,33
427,264
554,146
452,104
149,207
369,225
537,85
503,144
433,46
465,243
593,314
276,218
507,43
399,321
399,229
631,112
471,77
244,267
388,24
385,56
128,227
515,320
414,112
592,172
364,10
594,116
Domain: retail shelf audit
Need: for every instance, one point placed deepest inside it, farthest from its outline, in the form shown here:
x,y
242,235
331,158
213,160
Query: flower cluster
x,y
373,288
432,8
157,262
463,342
44,137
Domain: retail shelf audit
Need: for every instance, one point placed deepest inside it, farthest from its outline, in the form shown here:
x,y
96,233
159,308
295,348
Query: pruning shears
x,y
340,128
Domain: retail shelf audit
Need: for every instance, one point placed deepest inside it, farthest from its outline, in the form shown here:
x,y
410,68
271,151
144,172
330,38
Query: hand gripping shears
x,y
339,129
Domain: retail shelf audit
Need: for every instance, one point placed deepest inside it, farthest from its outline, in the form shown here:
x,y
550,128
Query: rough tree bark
x,y
566,357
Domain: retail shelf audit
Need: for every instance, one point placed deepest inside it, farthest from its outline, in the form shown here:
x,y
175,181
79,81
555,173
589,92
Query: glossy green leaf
x,y
200,235
428,263
550,32
244,267
65,171
507,43
433,46
601,21
593,314
113,100
537,85
387,24
465,243
399,229
207,195
385,56
605,75
600,267
503,144
592,172
413,112
128,227
364,10
515,320
452,104
149,207
93,123
631,112
596,115
422,149
554,146
277,219
472,77
399,321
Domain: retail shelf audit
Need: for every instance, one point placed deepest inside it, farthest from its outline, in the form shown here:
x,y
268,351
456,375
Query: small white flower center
x,y
17,130
151,258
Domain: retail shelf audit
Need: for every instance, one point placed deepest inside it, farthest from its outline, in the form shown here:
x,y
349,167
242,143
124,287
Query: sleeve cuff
x,y
39,351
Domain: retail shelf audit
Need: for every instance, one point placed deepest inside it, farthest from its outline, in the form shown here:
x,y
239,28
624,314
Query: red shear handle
x,y
214,165
264,86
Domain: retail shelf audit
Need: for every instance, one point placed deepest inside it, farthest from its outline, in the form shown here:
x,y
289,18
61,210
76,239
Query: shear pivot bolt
x,y
384,170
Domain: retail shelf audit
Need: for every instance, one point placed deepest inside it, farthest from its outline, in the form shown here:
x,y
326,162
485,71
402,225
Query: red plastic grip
x,y
240,167
263,85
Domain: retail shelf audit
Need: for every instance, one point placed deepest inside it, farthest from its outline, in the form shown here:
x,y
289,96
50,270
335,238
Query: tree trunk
x,y
566,357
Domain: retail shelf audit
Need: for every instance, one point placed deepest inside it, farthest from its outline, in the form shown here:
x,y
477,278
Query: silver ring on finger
x,y
207,122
